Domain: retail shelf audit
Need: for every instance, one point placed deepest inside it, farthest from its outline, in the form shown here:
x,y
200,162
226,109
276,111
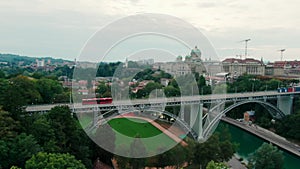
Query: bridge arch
x,y
273,110
112,113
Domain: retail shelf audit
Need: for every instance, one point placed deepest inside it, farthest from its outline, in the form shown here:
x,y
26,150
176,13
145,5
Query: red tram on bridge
x,y
107,100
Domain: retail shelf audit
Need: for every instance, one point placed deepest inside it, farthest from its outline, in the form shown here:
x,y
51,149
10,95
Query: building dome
x,y
179,58
196,52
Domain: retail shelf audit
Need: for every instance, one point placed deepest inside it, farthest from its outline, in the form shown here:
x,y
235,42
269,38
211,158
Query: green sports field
x,y
127,128
131,127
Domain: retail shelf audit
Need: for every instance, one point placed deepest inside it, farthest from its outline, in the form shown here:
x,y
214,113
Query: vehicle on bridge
x,y
106,100
288,89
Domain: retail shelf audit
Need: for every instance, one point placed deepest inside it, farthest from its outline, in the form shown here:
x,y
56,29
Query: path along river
x,y
248,143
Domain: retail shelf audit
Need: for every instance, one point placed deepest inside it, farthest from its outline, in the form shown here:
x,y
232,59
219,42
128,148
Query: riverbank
x,y
248,143
266,135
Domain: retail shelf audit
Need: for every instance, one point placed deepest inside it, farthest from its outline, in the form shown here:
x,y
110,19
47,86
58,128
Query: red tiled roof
x,y
293,64
247,60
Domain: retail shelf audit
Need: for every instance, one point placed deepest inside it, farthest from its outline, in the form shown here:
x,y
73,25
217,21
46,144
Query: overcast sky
x,y
60,29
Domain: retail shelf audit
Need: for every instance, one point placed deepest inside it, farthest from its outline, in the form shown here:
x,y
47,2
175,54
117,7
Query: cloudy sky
x,y
60,29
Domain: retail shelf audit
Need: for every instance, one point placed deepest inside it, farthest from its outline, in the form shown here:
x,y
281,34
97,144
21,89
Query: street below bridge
x,y
266,135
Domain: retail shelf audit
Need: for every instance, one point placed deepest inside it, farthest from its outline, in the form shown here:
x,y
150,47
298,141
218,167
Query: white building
x,y
238,67
40,63
191,64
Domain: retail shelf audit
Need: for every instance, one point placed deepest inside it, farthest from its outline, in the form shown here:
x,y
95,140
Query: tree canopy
x,y
44,160
266,157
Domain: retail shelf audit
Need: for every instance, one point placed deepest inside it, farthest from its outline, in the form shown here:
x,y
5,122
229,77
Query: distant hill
x,y
13,59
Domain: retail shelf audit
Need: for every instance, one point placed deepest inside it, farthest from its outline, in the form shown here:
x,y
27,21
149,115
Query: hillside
x,y
13,59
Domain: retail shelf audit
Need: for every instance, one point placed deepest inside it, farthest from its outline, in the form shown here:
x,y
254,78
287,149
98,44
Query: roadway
x,y
173,101
266,135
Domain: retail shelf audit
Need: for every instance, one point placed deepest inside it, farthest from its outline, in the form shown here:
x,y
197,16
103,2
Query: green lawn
x,y
131,127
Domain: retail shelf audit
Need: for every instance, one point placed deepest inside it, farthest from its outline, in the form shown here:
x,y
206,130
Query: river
x,y
248,143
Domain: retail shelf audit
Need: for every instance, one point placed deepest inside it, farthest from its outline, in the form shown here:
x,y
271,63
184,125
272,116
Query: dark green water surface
x,y
248,143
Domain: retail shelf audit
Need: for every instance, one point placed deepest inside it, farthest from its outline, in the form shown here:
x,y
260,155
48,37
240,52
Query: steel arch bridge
x,y
273,111
209,120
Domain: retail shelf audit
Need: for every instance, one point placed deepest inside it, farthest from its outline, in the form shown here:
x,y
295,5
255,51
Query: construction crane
x,y
246,42
281,53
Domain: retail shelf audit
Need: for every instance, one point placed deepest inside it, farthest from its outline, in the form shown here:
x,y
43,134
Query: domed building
x,y
196,54
179,58
194,61
191,64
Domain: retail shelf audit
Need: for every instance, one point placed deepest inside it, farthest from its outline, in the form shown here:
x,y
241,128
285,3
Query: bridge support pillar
x,y
182,112
285,104
196,119
95,116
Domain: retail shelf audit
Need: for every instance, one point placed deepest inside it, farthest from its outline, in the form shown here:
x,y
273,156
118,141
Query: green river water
x,y
248,143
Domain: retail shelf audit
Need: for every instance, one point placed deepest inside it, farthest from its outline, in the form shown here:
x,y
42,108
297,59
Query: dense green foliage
x,y
249,83
28,91
266,157
214,165
53,161
289,126
213,149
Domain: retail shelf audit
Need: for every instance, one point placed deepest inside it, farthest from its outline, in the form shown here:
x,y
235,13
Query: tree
x,y
14,167
216,148
171,91
178,155
289,126
20,92
48,88
201,81
214,165
2,74
266,157
41,129
53,160
8,126
145,92
68,134
162,160
207,151
4,84
102,90
274,84
17,150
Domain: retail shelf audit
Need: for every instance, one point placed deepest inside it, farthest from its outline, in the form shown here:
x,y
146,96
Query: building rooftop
x,y
247,60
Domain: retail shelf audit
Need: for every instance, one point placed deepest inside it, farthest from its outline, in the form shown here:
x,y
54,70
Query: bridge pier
x,y
196,122
193,114
182,112
285,103
95,116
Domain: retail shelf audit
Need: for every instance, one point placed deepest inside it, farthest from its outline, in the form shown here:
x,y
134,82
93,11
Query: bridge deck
x,y
266,135
173,101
